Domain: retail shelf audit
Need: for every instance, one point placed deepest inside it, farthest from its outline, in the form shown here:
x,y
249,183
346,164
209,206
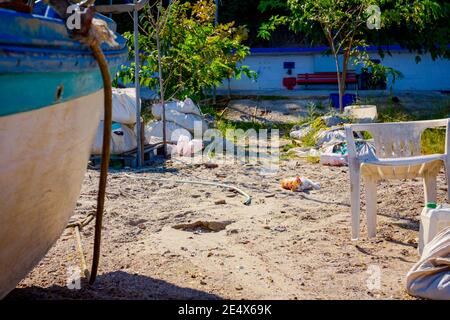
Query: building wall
x,y
426,75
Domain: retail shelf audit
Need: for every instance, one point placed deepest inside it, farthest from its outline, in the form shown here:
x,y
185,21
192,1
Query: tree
x,y
183,53
342,25
420,26
195,54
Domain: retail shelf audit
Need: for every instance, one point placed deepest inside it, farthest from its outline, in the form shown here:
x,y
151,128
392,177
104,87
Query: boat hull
x,y
44,154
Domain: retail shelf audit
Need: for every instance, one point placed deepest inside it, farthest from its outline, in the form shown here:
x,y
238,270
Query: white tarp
x,y
187,121
430,277
184,113
123,106
187,107
123,139
330,137
300,132
154,132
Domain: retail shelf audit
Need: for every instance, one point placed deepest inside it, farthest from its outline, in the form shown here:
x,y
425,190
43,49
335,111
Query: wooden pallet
x,y
129,159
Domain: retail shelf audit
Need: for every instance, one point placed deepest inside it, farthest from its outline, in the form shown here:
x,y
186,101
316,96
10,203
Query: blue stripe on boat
x,y
40,65
30,91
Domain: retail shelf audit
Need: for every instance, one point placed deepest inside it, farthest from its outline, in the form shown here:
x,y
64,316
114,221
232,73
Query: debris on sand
x,y
299,184
210,165
204,226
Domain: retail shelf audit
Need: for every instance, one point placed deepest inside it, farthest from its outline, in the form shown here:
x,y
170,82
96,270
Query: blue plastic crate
x,y
347,100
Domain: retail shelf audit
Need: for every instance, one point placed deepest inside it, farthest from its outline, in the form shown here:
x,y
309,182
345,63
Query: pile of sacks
x,y
123,137
331,144
185,126
182,119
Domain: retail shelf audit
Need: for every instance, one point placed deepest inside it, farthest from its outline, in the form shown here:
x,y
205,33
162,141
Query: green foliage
x,y
378,71
270,5
224,125
342,25
420,26
310,139
433,141
146,111
288,147
196,54
393,113
312,159
337,23
211,110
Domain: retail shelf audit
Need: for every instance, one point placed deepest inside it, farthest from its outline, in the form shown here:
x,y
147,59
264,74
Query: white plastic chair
x,y
398,156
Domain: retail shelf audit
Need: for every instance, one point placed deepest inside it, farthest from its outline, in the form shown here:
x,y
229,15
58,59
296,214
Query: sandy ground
x,y
285,245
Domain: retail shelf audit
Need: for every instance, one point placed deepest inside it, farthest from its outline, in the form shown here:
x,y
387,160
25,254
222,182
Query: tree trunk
x,y
340,86
344,73
338,71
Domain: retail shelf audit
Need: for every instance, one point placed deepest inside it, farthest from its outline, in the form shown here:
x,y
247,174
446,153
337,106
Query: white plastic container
x,y
362,113
432,221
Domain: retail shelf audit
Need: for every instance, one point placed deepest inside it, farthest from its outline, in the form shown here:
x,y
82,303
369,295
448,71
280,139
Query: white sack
x,y
157,109
330,137
430,277
301,132
187,121
187,107
187,148
123,139
123,106
154,132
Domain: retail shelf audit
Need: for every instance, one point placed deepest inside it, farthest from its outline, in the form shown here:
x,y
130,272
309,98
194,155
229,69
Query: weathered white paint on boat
x,y
44,154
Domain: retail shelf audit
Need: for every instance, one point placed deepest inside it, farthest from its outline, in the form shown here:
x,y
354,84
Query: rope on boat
x,y
98,216
92,33
247,202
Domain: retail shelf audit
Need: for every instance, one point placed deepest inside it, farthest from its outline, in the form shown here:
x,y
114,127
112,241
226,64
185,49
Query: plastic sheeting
x,y
187,107
123,106
154,132
330,137
187,121
430,277
336,154
300,132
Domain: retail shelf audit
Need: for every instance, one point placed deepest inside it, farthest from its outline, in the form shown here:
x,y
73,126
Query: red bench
x,y
325,78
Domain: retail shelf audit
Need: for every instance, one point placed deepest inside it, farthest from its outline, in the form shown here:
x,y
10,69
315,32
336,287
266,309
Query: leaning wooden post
x,y
138,87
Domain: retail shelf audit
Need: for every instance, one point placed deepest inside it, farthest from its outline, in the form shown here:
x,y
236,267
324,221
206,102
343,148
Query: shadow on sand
x,y
114,285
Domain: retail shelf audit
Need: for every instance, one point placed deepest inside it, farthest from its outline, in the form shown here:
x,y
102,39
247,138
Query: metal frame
x,y
121,8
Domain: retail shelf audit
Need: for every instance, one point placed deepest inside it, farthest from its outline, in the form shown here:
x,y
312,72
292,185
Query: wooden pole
x,y
216,22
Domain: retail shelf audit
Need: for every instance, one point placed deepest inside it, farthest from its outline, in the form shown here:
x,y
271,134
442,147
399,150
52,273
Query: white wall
x,y
426,75
270,71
